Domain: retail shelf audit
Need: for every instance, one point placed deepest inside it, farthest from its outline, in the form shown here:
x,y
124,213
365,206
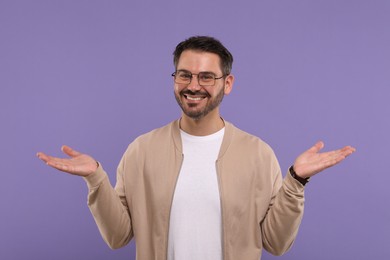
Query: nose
x,y
194,84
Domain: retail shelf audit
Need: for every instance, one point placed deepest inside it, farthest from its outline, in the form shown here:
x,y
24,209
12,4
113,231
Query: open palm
x,y
78,163
312,161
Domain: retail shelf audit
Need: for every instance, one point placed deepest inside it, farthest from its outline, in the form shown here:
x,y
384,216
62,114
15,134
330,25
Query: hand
x,y
79,164
312,162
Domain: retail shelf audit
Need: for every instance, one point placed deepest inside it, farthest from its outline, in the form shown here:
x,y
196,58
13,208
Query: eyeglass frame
x,y
192,74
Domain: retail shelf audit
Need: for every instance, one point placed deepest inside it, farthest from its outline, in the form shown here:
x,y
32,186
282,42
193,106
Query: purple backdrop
x,y
96,74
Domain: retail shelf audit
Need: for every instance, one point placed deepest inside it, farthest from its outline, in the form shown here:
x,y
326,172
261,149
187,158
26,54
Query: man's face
x,y
198,101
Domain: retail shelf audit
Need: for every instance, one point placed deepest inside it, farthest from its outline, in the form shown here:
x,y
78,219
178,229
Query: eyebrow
x,y
198,73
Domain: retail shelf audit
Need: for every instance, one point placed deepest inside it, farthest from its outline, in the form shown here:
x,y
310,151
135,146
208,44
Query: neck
x,y
201,127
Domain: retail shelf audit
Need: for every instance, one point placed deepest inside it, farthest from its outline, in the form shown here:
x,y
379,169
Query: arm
x,y
108,207
281,223
280,226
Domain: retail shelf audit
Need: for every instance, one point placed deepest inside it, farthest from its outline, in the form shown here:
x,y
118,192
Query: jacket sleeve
x,y
109,207
281,223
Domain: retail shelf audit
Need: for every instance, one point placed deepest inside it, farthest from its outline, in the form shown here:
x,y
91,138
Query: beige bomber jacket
x,y
259,208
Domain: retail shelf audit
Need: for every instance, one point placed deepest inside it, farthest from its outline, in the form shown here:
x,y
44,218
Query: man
x,y
199,188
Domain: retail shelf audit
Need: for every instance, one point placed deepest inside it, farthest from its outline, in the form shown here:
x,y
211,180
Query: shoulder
x,y
160,132
158,137
247,141
249,152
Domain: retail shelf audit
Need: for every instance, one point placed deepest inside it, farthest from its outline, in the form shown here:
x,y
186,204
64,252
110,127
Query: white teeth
x,y
193,98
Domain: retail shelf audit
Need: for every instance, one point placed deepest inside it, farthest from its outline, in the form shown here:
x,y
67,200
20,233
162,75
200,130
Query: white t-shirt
x,y
195,228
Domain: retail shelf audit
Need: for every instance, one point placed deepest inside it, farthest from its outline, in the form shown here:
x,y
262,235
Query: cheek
x,y
217,91
178,88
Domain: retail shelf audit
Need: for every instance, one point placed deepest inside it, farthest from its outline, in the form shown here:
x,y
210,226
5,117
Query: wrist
x,y
302,180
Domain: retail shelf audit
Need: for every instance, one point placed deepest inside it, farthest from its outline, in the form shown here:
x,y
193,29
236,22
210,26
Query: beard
x,y
199,113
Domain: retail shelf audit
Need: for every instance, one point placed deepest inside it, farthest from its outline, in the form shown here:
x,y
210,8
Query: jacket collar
x,y
227,138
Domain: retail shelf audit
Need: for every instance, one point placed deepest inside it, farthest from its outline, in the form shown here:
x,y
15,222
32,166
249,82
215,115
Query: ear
x,y
229,84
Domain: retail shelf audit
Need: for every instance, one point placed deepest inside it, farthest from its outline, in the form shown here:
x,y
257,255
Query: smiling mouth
x,y
193,98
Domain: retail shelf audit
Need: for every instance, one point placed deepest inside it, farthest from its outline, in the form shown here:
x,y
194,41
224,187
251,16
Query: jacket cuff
x,y
95,179
292,184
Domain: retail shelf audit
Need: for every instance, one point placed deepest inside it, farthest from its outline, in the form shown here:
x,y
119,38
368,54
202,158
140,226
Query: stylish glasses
x,y
204,78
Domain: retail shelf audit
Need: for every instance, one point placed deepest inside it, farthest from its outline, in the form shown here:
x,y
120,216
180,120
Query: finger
x,y
345,151
69,151
43,157
336,157
60,161
333,155
61,166
48,158
317,147
348,149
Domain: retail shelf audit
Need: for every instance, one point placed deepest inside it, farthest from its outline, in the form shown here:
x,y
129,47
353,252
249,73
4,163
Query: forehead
x,y
197,61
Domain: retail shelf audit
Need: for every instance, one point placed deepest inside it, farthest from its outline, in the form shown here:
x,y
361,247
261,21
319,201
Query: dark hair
x,y
205,44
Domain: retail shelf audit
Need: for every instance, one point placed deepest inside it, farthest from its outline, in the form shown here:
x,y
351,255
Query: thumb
x,y
317,147
69,151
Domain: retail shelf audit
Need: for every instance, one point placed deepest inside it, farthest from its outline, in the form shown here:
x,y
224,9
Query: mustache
x,y
193,93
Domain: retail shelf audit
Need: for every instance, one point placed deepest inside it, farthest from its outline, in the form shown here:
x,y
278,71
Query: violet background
x,y
96,74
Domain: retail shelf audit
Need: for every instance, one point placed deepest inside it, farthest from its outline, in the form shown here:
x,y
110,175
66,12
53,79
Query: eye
x,y
185,75
206,77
